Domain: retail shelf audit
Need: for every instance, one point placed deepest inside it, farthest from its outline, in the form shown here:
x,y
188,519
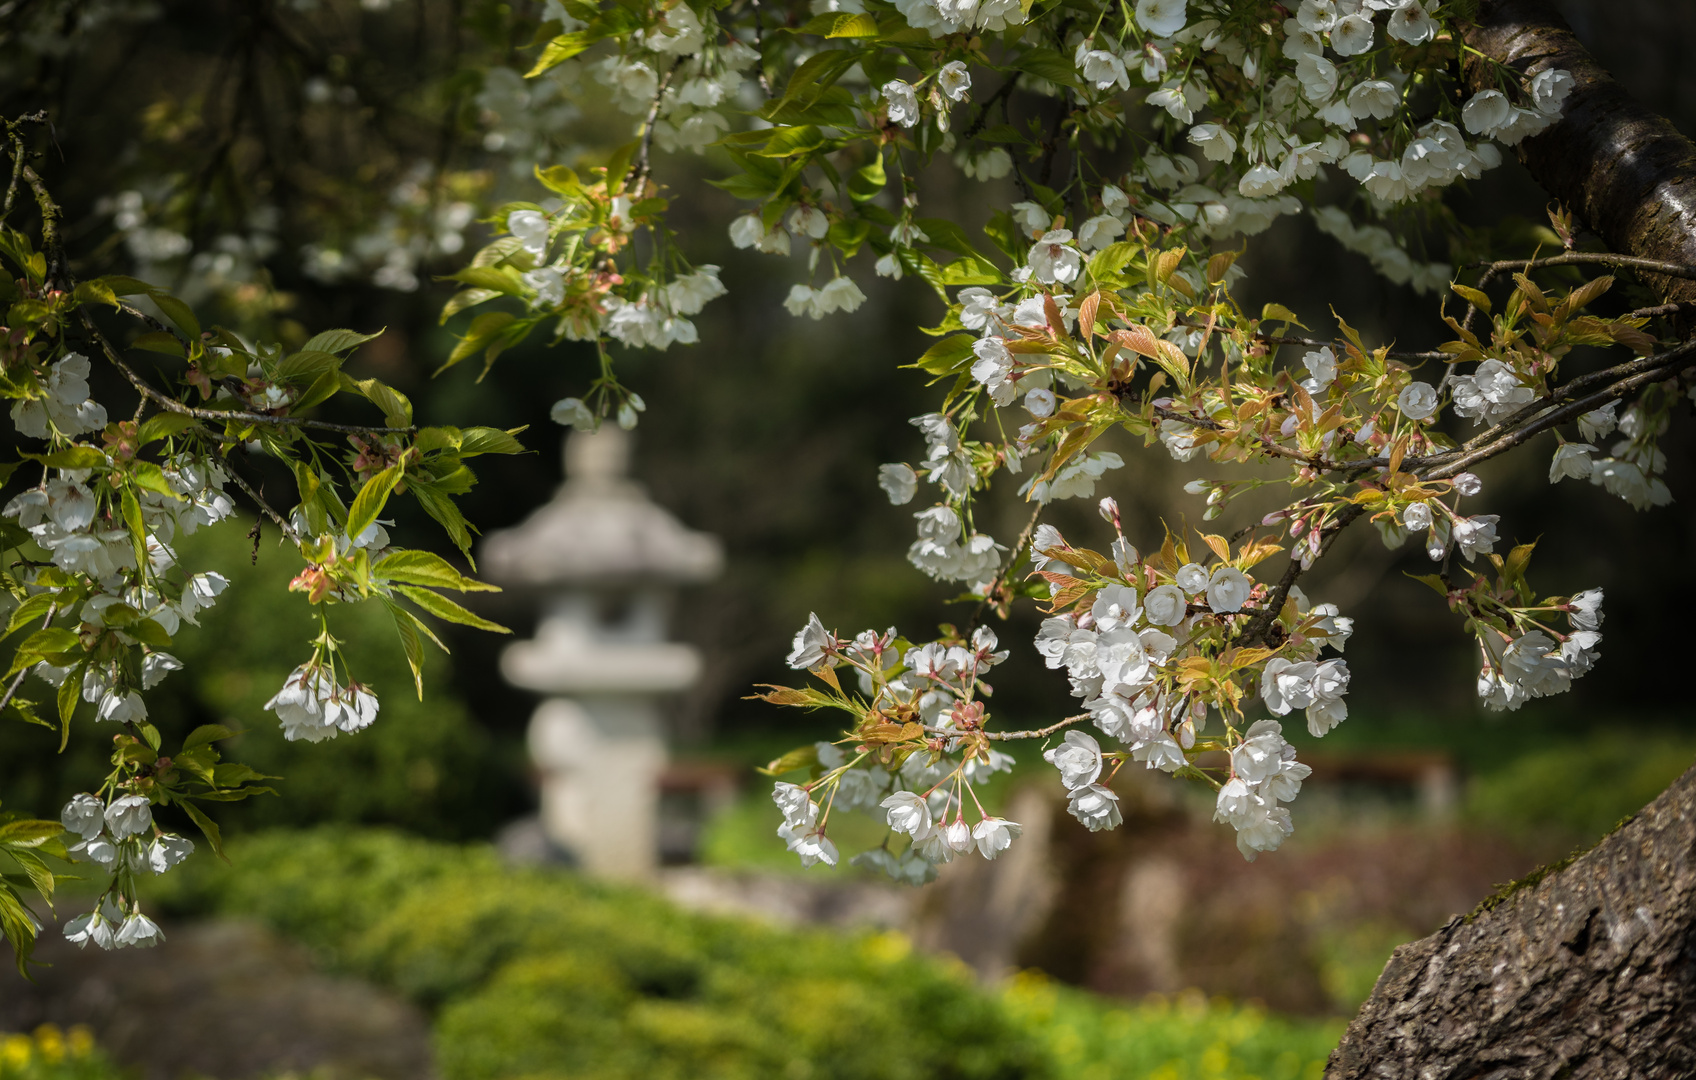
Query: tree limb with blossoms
x,y
1134,151
92,589
1146,144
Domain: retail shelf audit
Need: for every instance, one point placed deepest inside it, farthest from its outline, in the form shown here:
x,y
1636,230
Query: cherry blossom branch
x,y
56,276
1580,258
1396,354
1012,558
989,103
265,508
171,404
642,164
1261,625
1006,736
1680,359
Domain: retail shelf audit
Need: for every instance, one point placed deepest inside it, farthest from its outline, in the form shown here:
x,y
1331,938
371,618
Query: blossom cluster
x,y
121,836
915,753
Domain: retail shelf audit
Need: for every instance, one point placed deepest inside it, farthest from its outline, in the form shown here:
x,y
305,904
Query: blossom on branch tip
x,y
1165,605
813,646
995,835
902,103
1078,758
1228,589
954,80
129,815
899,482
1417,401
1162,18
84,815
1053,260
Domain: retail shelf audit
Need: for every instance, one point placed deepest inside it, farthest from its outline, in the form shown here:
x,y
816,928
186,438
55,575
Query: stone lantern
x,y
605,562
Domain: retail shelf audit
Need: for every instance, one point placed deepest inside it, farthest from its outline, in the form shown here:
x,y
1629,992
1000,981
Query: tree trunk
x,y
1587,971
1625,171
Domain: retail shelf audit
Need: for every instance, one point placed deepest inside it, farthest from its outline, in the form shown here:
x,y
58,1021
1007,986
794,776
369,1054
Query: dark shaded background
x,y
768,433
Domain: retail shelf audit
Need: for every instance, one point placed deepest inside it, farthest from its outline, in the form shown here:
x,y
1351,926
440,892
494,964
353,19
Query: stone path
x,y
224,1000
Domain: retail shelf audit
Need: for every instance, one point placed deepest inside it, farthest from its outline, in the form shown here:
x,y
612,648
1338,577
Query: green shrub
x,y
1580,788
1184,1037
537,974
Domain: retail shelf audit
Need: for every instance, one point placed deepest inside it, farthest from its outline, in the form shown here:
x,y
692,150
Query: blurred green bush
x,y
537,973
1577,791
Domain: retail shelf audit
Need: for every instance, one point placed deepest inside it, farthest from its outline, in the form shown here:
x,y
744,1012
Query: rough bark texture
x,y
1625,171
1588,973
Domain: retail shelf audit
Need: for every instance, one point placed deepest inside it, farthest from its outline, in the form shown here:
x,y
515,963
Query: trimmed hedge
x,y
536,973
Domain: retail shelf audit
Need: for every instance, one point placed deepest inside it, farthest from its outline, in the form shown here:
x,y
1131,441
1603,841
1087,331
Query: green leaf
x,y
1435,581
70,691
179,313
1475,297
125,286
1050,65
28,832
322,389
207,827
18,926
789,141
488,440
498,279
163,425
146,475
95,291
72,457
948,355
857,25
482,333
336,341
397,410
561,49
369,502
205,735
866,181
132,520
30,611
40,877
149,633
407,626
1113,258
442,508
1280,313
306,365
426,568
443,608
618,165
465,298
160,342
49,641
743,186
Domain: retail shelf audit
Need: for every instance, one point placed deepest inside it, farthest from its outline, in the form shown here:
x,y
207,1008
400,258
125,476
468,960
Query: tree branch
x,y
171,404
1627,172
1597,258
265,508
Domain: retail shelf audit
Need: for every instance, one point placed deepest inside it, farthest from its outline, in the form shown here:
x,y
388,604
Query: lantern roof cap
x,y
600,529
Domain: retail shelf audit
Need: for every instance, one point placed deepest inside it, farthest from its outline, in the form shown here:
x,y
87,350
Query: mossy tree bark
x,y
1587,970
